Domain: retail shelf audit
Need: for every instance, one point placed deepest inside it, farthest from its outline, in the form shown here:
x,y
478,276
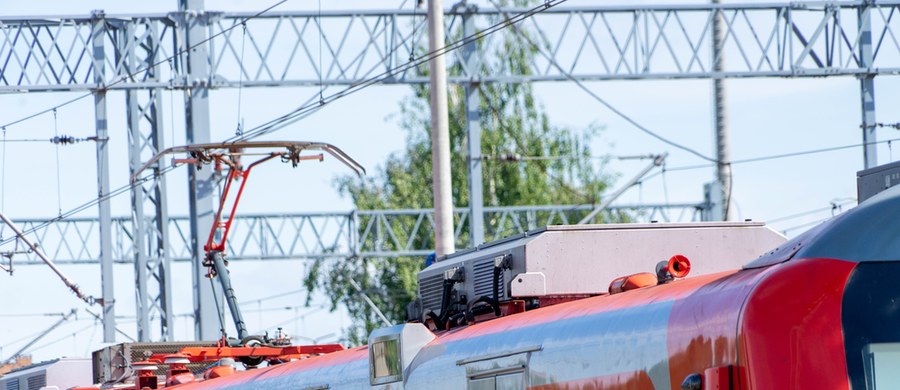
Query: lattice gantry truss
x,y
145,55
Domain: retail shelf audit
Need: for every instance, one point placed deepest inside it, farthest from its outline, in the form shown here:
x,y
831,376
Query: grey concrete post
x,y
473,135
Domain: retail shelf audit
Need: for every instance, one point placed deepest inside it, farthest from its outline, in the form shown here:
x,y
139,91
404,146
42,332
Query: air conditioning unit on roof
x,y
581,260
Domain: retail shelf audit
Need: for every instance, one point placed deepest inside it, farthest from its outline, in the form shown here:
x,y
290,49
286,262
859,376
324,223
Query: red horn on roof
x,y
679,266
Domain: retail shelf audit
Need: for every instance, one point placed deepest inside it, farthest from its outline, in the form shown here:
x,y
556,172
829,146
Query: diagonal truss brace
x,y
596,42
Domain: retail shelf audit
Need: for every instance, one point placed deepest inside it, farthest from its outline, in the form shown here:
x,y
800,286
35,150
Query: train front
x,y
827,315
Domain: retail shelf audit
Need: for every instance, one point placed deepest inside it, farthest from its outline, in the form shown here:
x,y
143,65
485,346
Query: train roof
x,y
868,232
297,372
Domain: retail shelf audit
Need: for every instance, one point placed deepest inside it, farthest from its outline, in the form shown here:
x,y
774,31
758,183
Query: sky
x,y
765,116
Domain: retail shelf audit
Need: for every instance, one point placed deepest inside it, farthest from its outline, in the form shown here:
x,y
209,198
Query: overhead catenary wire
x,y
119,331
321,38
272,309
131,75
58,175
51,343
300,112
91,203
172,103
26,337
415,26
664,183
514,157
733,162
806,224
3,176
784,155
28,346
835,205
240,128
501,123
90,342
503,157
22,315
142,180
322,88
58,140
308,108
314,309
447,48
270,297
51,109
594,95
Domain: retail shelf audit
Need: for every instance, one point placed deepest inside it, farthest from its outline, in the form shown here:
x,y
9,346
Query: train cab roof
x,y
868,232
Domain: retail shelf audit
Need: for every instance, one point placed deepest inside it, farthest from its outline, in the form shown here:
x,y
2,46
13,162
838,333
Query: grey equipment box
x,y
870,182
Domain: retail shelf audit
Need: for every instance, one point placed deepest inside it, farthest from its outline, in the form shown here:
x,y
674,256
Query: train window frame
x,y
871,353
394,365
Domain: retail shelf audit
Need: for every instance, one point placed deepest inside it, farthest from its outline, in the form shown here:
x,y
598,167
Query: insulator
x,y
64,139
512,157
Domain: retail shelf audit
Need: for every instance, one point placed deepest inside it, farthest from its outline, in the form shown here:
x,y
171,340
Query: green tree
x,y
513,123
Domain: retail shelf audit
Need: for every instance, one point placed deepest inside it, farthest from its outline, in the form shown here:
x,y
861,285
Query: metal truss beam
x,y
101,126
140,43
797,39
364,233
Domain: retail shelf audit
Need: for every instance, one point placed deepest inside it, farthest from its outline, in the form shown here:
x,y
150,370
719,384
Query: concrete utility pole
x,y
473,131
723,155
440,134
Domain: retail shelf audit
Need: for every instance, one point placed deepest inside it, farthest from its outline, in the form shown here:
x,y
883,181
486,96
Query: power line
x,y
18,315
270,297
121,332
301,111
51,109
805,152
58,175
307,109
35,334
596,97
125,188
151,66
315,309
515,157
271,309
58,140
501,123
3,175
803,225
835,205
90,204
82,330
785,155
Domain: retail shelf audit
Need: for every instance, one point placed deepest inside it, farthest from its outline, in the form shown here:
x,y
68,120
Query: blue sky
x,y
766,117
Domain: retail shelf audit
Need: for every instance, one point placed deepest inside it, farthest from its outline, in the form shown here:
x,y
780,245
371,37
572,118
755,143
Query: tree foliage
x,y
513,123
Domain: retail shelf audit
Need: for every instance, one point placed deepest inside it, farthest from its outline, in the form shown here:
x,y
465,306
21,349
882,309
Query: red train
x,y
821,311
